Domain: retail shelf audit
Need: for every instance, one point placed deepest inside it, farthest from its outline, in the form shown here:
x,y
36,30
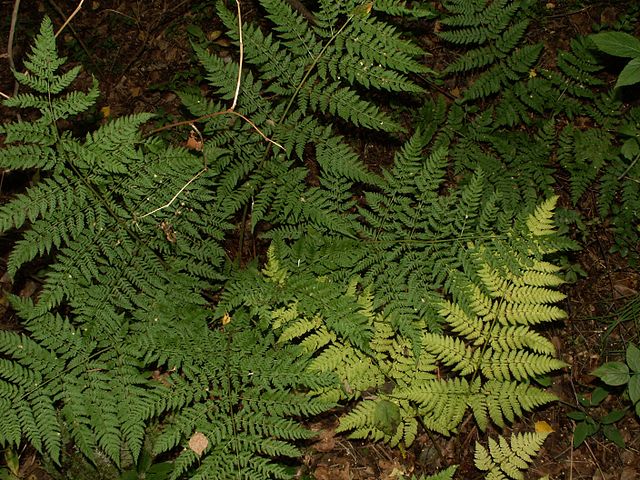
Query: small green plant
x,y
618,374
621,44
589,424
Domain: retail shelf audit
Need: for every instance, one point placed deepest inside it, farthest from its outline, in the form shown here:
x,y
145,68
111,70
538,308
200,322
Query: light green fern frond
x,y
502,402
508,459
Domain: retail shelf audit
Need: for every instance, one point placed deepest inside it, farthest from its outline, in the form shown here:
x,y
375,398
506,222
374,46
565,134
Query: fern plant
x,y
476,351
119,338
419,301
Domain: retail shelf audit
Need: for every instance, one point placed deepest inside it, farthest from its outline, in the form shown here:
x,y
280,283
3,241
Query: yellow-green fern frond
x,y
390,419
441,403
520,288
526,314
546,267
452,352
517,364
501,402
470,327
536,279
532,295
516,337
272,269
299,328
540,222
505,460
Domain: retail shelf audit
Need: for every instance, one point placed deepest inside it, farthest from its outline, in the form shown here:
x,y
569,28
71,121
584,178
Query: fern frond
x,y
508,459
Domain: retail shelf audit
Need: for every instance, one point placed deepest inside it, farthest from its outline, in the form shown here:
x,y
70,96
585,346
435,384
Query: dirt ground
x,y
140,53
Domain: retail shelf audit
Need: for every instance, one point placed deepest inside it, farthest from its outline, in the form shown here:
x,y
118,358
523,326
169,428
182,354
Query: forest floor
x,y
140,52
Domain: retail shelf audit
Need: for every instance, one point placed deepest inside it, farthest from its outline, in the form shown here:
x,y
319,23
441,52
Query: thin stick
x,y
2,94
255,127
635,160
12,32
168,204
75,12
83,45
237,93
215,114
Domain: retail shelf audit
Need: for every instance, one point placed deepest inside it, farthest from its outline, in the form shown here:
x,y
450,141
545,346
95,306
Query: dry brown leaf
x,y
326,441
169,234
334,472
198,443
629,473
620,290
543,427
193,142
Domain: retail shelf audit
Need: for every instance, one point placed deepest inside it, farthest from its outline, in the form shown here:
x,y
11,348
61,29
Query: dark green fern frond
x,y
496,30
395,7
583,154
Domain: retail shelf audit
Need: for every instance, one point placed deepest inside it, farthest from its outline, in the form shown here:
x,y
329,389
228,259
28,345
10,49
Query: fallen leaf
x,y
326,442
620,290
214,35
198,443
193,142
628,473
543,427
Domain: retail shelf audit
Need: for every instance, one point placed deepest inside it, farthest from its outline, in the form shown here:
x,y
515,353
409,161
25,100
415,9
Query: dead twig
x,y
84,47
240,62
216,114
75,12
174,198
631,165
12,32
